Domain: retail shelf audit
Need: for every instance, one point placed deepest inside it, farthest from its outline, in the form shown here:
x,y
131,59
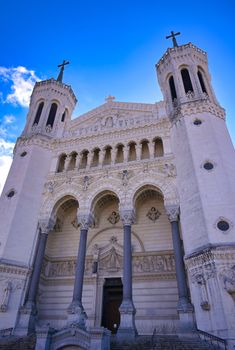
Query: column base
x,y
76,315
26,320
43,340
127,328
186,315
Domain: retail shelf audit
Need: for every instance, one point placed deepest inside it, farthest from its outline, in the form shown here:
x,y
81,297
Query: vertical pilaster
x,y
127,310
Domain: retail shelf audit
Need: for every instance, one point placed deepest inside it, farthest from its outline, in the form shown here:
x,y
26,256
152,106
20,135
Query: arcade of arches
x,y
153,263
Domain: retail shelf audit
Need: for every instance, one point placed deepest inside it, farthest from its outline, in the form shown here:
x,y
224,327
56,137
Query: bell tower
x,y
205,164
51,105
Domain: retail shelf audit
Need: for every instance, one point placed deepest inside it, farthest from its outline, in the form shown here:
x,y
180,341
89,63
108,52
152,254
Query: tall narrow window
x,y
61,163
158,147
39,112
63,116
132,152
52,113
119,156
145,150
200,77
172,88
186,80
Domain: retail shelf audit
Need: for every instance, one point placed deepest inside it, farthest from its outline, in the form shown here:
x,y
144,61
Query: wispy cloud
x,y
22,81
9,119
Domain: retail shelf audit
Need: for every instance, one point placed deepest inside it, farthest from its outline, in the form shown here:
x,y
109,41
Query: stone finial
x,y
128,216
110,98
172,212
85,220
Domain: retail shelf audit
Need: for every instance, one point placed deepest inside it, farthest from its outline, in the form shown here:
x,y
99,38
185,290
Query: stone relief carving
x,y
7,288
75,223
170,170
112,261
228,278
114,218
202,286
86,182
58,225
153,214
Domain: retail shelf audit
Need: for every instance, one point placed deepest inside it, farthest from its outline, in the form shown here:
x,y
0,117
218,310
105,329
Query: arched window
x,y
119,156
72,161
52,113
145,150
84,156
39,112
186,80
95,160
158,147
63,116
172,88
61,163
107,156
132,152
200,77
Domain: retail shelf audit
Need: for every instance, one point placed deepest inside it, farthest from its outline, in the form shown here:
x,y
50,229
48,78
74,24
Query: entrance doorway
x,y
112,298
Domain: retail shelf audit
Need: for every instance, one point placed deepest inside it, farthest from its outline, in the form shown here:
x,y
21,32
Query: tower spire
x,y
61,66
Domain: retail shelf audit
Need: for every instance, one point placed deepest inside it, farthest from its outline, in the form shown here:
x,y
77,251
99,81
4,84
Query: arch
x,y
119,154
84,159
64,202
52,114
145,149
158,147
72,161
61,163
132,151
96,155
97,199
172,88
64,115
200,75
186,80
146,188
39,112
107,155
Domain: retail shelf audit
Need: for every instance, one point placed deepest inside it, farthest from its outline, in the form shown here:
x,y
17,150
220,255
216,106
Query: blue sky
x,y
112,46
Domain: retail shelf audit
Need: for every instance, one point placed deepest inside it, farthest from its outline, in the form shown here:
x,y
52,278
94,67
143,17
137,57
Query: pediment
x,y
115,116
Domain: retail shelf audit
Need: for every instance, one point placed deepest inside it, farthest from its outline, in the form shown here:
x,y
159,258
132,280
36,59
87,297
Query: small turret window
x,y
200,77
39,112
186,80
63,116
52,114
172,88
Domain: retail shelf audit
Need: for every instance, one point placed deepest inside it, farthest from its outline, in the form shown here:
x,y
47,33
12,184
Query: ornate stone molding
x,y
46,225
172,212
85,220
128,216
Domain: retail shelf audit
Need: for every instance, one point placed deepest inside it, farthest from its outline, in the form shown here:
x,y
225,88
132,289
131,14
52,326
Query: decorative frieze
x,y
112,261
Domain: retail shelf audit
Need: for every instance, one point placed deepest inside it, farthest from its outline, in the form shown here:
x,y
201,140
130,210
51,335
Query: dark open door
x,y
112,298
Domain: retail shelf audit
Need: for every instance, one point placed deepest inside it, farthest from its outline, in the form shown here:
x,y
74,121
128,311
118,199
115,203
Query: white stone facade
x,y
121,157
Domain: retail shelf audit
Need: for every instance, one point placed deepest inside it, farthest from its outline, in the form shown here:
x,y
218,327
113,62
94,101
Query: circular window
x,y
23,154
11,194
197,122
223,225
208,166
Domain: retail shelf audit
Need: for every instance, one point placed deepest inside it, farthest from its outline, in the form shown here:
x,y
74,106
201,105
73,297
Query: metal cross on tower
x,y
61,66
173,35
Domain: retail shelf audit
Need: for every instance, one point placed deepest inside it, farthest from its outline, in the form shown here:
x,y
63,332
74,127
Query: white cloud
x,y
6,150
8,119
22,83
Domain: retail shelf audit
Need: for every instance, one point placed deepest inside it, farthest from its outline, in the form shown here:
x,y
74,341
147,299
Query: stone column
x,y
138,151
125,153
89,159
76,314
28,313
127,329
185,307
151,149
66,163
113,155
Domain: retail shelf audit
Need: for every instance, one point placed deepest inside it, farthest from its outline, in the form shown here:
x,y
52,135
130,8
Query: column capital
x,y
85,220
46,225
128,216
172,212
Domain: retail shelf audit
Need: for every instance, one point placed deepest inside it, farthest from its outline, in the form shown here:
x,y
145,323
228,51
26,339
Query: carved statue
x,y
153,214
6,296
114,218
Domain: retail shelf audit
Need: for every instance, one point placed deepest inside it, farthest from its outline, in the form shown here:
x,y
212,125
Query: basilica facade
x,y
121,221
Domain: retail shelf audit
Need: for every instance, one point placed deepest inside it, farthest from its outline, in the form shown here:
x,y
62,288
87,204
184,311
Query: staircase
x,y
165,342
17,343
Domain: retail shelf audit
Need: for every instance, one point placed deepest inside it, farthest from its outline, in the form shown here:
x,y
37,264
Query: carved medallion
x,y
153,214
114,218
